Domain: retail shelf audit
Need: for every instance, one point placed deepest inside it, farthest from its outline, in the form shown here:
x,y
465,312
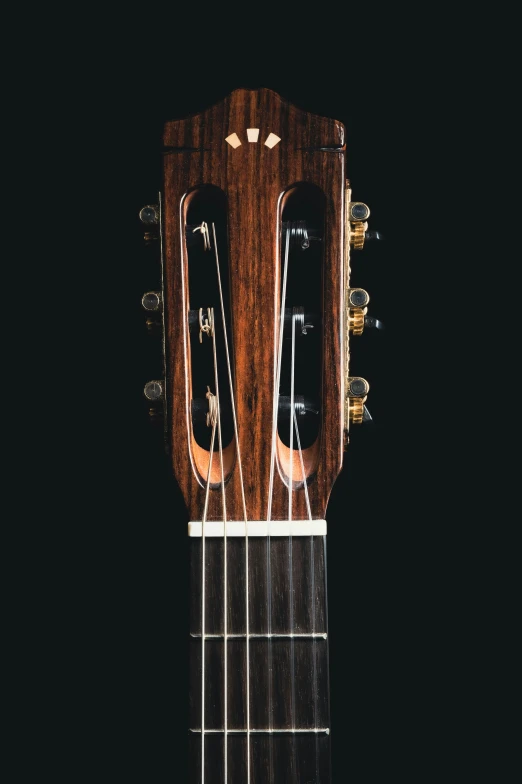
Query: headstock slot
x,y
303,213
205,207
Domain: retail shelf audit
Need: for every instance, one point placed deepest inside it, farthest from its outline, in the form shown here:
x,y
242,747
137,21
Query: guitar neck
x,y
255,229
276,659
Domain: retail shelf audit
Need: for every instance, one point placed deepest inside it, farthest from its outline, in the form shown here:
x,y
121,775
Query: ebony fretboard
x,y
289,713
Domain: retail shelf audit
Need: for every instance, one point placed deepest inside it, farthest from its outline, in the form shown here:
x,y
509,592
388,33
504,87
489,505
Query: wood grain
x,y
253,178
287,576
288,677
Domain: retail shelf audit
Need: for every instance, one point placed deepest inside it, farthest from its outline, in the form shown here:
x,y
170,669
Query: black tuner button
x,y
152,301
373,235
154,391
359,211
370,322
357,387
367,417
149,215
358,298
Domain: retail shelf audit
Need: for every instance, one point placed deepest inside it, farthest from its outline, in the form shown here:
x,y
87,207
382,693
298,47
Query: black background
x,y
396,603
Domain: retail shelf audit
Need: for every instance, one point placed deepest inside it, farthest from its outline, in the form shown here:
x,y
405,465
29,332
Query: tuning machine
x,y
357,389
358,320
358,214
152,303
154,392
150,217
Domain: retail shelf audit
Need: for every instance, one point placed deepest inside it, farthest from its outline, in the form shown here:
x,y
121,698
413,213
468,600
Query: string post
x,y
203,228
212,409
206,326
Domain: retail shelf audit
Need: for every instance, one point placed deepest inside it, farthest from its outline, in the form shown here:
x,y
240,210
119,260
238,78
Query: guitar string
x,y
236,436
291,543
203,554
312,597
225,620
277,378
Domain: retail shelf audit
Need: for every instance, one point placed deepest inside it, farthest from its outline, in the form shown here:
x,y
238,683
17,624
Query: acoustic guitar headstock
x,y
255,228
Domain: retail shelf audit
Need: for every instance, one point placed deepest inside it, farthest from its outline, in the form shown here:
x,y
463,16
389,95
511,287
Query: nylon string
x,y
238,448
204,518
225,619
277,379
291,541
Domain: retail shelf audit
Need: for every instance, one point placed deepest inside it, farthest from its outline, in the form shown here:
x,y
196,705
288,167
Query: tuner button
x,y
358,298
149,215
152,301
359,211
153,390
357,387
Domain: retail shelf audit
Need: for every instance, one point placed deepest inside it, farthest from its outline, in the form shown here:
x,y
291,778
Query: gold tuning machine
x,y
358,213
357,301
357,389
150,217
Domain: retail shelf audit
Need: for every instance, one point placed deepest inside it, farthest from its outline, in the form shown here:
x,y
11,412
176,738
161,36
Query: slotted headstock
x,y
256,223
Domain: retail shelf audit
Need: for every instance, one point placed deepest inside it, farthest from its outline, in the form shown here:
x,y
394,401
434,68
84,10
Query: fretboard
x,y
287,648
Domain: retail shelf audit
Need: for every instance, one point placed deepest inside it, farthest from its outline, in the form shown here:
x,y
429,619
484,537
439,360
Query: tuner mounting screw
x,y
359,211
152,301
149,215
154,391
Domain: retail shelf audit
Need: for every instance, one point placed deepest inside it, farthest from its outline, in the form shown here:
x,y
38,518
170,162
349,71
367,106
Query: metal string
x,y
234,416
204,518
225,620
